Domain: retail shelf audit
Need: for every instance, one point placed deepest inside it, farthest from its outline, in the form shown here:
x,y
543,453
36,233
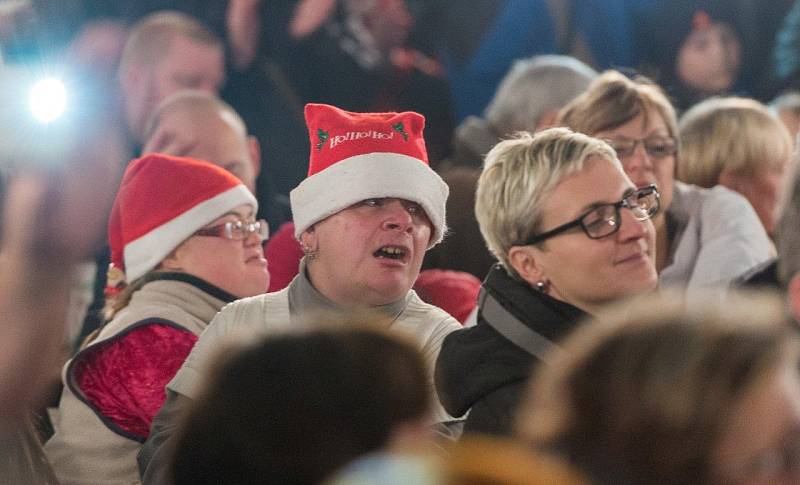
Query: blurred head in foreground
x,y
296,407
656,393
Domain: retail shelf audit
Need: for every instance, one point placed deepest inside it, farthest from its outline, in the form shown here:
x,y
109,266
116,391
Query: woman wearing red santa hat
x,y
365,215
184,243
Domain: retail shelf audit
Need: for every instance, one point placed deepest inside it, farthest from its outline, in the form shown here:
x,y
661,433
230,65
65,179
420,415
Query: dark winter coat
x,y
479,368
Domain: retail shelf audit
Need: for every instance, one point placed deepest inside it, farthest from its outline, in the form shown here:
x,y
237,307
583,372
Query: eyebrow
x,y
594,205
655,134
249,214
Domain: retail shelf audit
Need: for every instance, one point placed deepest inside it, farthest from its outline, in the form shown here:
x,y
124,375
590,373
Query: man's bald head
x,y
199,125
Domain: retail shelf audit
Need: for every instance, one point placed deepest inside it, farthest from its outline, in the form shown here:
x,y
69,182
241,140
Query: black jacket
x,y
479,368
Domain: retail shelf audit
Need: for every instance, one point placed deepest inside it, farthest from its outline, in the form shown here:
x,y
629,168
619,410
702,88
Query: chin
x,y
640,286
629,284
392,291
253,289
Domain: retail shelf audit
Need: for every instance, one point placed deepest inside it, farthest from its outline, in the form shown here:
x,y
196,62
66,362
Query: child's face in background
x,y
709,59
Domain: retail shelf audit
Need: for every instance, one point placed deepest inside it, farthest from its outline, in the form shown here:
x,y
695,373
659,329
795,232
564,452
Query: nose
x,y
630,227
638,162
252,239
397,217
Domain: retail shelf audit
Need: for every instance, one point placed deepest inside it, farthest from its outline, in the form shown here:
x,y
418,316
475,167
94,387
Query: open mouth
x,y
397,253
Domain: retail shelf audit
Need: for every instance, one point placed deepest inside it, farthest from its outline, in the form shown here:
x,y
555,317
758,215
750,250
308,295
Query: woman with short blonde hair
x,y
519,176
572,234
737,143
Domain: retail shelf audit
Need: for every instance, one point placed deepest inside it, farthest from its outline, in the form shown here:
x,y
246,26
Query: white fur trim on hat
x,y
146,252
368,176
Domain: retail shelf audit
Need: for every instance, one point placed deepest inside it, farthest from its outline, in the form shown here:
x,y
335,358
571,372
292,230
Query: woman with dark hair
x,y
297,407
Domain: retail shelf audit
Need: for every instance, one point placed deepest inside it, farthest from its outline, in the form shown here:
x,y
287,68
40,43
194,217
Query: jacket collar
x,y
549,318
196,296
304,298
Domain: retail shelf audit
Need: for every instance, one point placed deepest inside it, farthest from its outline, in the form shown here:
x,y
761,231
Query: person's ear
x,y
254,149
731,179
308,240
527,262
131,80
793,295
173,261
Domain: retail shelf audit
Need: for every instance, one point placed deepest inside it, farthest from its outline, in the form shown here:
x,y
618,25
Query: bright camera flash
x,y
47,100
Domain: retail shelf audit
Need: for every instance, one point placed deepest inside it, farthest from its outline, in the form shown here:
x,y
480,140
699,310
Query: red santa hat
x,y
163,200
358,156
455,292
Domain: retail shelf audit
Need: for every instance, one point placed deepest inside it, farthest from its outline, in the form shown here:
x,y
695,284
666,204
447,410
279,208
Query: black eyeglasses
x,y
237,230
604,220
655,146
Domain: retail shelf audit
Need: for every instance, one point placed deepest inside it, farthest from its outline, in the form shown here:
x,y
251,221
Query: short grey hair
x,y
519,175
533,87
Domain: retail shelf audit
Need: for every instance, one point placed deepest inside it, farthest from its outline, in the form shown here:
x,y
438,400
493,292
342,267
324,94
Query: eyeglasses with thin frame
x,y
655,146
604,220
237,230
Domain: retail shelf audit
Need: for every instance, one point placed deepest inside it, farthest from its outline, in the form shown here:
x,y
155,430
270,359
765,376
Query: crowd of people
x,y
312,242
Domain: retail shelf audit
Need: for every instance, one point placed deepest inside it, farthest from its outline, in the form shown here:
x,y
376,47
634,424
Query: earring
x,y
309,253
542,286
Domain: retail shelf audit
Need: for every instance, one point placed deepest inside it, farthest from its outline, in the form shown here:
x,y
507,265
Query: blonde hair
x,y
149,39
119,301
613,100
736,134
115,304
519,175
650,387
